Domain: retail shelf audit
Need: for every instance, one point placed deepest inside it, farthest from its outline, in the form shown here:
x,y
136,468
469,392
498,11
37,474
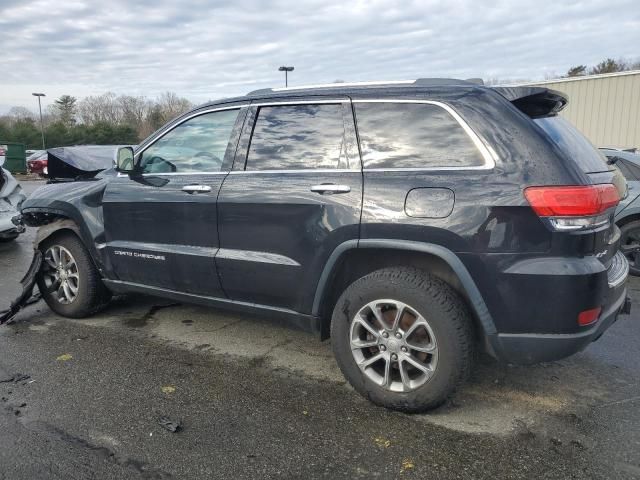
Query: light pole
x,y
41,124
286,70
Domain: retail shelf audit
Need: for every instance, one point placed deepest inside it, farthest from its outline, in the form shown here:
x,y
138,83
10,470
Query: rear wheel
x,y
630,245
68,280
402,338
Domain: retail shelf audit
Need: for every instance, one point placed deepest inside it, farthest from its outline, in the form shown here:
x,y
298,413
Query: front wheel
x,y
68,279
403,338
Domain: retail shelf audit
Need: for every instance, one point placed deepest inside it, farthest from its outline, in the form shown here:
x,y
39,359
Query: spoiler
x,y
534,101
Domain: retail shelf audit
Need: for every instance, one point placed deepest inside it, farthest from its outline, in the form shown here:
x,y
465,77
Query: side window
x,y
297,137
197,145
412,135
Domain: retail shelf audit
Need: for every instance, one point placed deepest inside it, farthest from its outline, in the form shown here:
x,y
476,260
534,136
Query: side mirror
x,y
125,160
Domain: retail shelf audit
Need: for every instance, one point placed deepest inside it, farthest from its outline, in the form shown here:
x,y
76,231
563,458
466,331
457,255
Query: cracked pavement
x,y
256,399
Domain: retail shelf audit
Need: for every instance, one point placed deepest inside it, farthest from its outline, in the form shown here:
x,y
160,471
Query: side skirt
x,y
282,316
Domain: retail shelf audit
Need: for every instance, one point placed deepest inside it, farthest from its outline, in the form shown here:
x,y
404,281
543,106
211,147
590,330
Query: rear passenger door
x,y
294,194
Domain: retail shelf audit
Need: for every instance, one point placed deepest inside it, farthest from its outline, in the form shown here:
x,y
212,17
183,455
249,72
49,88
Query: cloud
x,y
206,49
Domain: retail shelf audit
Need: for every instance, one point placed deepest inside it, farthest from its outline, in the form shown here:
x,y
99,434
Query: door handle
x,y
196,188
330,188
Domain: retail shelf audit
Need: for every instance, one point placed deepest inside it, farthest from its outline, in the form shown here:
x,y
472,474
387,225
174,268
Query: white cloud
x,y
204,49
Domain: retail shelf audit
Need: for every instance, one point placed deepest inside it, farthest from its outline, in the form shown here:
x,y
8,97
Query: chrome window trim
x,y
488,153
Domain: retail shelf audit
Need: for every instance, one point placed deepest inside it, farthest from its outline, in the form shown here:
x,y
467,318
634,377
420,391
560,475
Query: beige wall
x,y
606,108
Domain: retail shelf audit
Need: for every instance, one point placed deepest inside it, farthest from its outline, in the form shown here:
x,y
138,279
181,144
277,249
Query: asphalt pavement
x,y
83,399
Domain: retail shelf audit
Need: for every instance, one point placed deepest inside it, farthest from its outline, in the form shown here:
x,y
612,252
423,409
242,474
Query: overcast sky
x,y
207,49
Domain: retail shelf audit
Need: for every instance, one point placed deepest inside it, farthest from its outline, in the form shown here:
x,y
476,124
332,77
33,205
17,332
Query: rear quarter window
x,y
575,145
412,135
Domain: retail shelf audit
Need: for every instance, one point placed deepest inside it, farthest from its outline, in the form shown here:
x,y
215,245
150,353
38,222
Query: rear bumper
x,y
534,348
562,336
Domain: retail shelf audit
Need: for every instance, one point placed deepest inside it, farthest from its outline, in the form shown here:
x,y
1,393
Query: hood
x,y
79,162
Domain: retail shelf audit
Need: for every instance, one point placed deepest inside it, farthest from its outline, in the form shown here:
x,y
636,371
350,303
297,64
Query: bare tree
x,y
577,71
100,109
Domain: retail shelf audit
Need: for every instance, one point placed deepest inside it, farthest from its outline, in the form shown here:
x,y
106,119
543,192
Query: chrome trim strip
x,y
253,256
488,154
319,170
164,174
174,249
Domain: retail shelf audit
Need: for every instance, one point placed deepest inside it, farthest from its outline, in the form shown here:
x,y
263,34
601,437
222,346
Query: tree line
x,y
608,65
95,120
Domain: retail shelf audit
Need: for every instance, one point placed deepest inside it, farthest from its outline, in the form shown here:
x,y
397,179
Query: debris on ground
x,y
407,464
382,442
16,378
64,357
26,297
168,389
172,425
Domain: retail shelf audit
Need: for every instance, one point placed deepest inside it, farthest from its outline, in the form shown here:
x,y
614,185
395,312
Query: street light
x,y
41,124
286,70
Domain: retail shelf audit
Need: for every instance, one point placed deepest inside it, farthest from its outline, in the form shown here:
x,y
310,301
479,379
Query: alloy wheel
x,y
393,345
60,273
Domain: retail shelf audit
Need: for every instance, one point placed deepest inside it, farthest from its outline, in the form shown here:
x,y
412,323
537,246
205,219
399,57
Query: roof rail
x,y
391,83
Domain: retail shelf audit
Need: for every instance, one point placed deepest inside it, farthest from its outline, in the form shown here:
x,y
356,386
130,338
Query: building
x,y
605,108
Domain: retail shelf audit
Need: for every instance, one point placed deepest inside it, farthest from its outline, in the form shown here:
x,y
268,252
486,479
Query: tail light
x,y
576,207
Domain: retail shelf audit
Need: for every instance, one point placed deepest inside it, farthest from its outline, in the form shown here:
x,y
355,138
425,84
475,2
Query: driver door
x,y
161,223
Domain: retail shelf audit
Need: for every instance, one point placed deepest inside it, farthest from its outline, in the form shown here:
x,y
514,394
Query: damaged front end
x,y
11,198
71,201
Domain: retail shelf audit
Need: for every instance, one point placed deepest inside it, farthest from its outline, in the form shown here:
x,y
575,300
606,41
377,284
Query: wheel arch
x,y
631,217
354,259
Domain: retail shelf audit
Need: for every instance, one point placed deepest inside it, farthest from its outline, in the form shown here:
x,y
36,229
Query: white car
x,y
11,197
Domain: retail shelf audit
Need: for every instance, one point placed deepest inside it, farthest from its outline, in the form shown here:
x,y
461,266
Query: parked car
x,y
628,211
413,223
11,198
37,162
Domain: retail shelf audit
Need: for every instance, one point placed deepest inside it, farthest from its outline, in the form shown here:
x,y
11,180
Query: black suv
x,y
414,223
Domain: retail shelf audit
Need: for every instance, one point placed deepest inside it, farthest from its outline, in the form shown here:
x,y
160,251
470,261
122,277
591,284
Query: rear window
x,y
413,135
568,139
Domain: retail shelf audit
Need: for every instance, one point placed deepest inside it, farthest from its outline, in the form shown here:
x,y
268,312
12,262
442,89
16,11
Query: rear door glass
x,y
574,144
413,135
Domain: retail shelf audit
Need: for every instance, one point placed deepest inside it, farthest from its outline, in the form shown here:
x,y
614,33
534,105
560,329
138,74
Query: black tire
x,y
8,237
447,316
92,295
629,238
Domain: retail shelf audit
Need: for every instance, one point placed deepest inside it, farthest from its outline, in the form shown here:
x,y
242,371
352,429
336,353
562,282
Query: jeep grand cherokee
x,y
414,223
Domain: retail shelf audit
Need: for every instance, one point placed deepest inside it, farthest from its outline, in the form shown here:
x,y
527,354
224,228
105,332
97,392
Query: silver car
x,y
11,197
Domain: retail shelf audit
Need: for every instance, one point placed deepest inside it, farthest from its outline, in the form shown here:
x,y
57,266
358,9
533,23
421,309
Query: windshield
x,y
574,144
